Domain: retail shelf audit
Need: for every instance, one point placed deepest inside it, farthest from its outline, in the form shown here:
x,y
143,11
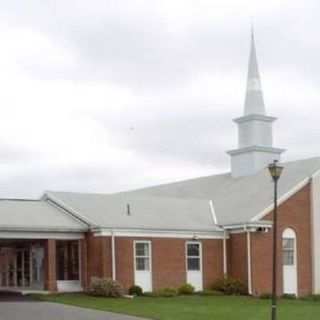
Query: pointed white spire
x,y
254,103
255,148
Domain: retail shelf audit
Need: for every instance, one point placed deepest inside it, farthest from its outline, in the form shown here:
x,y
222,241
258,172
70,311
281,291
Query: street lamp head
x,y
275,170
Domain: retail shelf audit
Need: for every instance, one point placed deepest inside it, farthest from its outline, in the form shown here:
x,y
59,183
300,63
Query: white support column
x,y
113,253
249,262
315,236
80,261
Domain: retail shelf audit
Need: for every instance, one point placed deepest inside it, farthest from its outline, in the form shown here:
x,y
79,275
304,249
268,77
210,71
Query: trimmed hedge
x,y
230,286
135,291
186,289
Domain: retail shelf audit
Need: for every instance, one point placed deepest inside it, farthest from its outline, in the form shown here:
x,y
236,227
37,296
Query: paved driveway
x,y
15,307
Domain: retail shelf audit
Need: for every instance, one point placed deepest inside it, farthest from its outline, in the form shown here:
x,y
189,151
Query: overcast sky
x,y
103,96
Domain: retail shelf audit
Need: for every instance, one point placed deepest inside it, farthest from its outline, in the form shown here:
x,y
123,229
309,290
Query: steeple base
x,y
250,160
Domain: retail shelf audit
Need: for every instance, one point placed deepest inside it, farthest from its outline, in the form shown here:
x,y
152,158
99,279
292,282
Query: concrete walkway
x,y
15,307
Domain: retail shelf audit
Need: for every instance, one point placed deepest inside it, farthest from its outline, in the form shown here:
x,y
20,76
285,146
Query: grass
x,y
194,307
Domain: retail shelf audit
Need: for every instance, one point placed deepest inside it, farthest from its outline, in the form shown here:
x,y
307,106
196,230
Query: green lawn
x,y
195,307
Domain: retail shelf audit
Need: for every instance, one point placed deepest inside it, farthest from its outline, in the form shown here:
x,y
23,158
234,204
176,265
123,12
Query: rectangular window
x,y
142,256
288,252
193,257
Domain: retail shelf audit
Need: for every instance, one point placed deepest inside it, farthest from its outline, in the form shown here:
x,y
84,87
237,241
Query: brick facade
x,y
169,255
168,260
293,213
237,257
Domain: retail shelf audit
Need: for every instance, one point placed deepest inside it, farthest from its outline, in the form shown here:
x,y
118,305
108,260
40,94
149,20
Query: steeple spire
x,y
255,148
254,103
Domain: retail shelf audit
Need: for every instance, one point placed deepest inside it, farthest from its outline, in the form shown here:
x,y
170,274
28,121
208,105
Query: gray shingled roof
x,y
185,205
236,200
111,211
35,215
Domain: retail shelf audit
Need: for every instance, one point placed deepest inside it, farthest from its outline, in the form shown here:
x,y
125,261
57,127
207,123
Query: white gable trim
x,y
68,209
282,199
214,216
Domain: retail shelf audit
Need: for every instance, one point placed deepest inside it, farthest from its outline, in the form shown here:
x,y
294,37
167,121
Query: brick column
x,y
50,281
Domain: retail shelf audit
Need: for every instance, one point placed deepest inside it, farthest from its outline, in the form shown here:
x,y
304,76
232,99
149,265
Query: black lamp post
x,y
275,172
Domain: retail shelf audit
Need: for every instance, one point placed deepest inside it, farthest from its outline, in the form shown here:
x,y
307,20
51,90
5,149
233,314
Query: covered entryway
x,y
289,248
39,247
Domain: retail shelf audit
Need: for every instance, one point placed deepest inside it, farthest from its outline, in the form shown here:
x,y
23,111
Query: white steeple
x,y
255,150
254,99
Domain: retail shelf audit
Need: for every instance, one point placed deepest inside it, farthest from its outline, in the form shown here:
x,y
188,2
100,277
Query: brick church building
x,y
193,231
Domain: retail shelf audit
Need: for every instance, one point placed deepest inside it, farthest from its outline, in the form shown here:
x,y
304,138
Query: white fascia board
x,y
214,216
40,235
69,210
245,226
158,233
315,224
282,199
41,229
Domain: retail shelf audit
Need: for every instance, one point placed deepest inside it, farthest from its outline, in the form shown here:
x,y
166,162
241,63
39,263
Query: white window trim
x,y
135,256
200,255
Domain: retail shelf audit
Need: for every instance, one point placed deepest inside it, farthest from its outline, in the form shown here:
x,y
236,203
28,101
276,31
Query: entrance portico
x,y
39,247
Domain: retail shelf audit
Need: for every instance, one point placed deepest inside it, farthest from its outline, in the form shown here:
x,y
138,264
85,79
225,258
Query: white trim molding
x,y
40,235
159,233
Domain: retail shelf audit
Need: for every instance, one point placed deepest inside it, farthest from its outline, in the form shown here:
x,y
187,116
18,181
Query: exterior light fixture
x,y
275,172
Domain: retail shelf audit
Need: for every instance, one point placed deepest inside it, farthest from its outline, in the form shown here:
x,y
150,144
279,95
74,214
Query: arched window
x,y
289,247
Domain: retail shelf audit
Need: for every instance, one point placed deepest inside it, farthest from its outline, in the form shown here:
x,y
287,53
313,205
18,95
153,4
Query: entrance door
x,y
22,268
142,265
194,265
289,262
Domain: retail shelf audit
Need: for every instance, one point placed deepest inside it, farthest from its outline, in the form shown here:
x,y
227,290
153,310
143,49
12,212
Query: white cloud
x,y
122,94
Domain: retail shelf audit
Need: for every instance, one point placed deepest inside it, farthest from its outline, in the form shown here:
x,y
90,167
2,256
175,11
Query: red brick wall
x,y
168,260
98,252
237,257
50,281
293,213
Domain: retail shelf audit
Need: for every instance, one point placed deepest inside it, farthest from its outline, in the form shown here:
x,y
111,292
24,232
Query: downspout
x,y
225,266
113,254
249,261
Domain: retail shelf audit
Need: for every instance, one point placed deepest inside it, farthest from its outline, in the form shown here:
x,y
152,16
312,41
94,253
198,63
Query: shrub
x,y
289,296
135,291
106,287
230,286
312,297
153,294
169,292
209,293
186,289
265,295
